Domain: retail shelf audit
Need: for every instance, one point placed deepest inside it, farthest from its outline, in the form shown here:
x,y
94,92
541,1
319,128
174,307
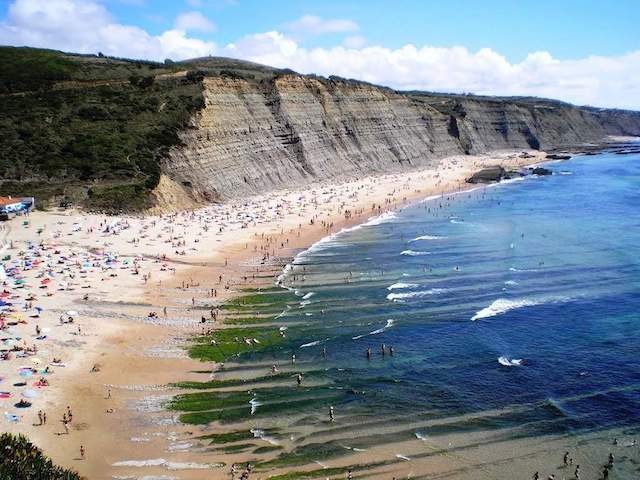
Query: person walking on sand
x,y
82,452
536,476
565,459
577,472
69,414
44,418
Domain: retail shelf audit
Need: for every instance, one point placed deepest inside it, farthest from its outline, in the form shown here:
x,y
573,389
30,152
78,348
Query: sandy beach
x,y
97,310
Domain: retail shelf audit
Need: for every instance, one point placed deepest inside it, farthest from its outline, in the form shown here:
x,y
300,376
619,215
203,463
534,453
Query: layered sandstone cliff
x,y
257,136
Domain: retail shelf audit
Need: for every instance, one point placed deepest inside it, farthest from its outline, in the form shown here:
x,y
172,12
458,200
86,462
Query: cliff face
x,y
253,137
250,138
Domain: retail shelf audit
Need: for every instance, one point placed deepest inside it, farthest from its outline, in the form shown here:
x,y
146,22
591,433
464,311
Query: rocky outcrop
x,y
488,175
253,136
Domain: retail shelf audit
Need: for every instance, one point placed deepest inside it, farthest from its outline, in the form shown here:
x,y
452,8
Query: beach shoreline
x,y
123,346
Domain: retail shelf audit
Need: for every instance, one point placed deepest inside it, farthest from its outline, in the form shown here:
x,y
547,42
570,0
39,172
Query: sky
x,y
583,51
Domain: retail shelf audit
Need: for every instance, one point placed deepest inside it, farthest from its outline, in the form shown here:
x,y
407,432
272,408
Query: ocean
x,y
513,313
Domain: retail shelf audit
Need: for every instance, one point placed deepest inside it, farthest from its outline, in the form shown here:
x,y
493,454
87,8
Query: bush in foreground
x,y
21,459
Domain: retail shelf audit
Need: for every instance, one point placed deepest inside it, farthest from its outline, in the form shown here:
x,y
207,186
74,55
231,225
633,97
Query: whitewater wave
x,y
421,436
312,344
426,237
401,285
402,457
423,293
261,434
564,172
308,295
511,283
254,405
506,362
389,324
503,305
413,253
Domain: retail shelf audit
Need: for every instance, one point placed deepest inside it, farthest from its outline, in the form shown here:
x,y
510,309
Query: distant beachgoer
x,y
299,379
565,459
324,352
82,452
331,414
40,417
536,476
368,353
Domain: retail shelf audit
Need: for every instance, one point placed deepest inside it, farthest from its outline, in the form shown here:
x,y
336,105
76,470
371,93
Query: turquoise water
x,y
512,308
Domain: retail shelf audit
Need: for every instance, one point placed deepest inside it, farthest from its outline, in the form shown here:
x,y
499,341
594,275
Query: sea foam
x,y
423,293
402,285
413,253
503,305
426,237
389,324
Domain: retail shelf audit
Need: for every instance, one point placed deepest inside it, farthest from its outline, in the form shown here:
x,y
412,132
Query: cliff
x,y
116,134
251,137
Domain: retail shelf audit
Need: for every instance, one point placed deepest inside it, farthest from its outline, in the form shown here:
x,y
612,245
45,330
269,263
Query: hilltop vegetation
x,y
93,130
88,129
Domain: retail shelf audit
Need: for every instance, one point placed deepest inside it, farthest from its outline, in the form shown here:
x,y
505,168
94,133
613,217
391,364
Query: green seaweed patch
x,y
228,437
200,401
267,449
305,454
241,447
232,382
226,343
206,417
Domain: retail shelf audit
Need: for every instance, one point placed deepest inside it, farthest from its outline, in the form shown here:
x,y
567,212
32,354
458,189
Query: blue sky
x,y
567,29
585,52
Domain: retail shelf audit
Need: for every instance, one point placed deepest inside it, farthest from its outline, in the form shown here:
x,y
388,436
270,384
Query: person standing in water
x,y
332,416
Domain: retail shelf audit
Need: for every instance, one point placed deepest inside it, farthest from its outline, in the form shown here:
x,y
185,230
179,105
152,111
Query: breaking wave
x,y
506,362
389,324
413,253
423,293
401,285
426,237
503,305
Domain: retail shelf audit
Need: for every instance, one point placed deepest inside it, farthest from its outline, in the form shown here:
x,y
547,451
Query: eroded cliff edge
x,y
253,137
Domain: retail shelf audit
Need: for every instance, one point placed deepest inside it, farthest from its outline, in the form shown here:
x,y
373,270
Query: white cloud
x,y
86,26
312,24
355,41
595,80
194,21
